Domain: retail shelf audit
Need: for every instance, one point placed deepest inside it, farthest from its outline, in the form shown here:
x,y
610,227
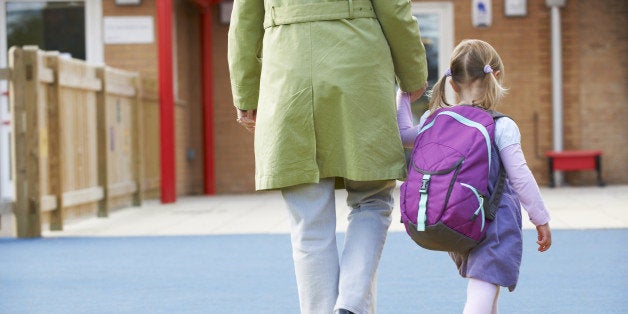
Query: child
x,y
476,73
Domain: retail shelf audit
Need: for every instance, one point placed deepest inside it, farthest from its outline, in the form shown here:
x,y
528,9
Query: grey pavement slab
x,y
265,213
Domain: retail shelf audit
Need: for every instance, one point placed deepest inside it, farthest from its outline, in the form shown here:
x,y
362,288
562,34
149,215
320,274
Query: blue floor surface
x,y
584,272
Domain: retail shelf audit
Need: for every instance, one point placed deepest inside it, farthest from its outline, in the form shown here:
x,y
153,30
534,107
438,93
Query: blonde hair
x,y
467,65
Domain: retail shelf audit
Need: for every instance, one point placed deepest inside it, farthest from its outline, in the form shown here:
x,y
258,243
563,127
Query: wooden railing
x,y
78,136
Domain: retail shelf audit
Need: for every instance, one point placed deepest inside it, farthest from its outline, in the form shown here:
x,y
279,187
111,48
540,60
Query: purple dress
x,y
498,257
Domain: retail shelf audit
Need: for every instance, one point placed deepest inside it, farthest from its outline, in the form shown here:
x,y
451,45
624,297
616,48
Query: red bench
x,y
575,160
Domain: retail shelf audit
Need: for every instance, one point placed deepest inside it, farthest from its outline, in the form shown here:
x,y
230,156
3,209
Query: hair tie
x,y
448,72
488,69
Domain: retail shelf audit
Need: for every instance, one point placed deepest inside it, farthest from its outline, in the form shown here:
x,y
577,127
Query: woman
x,y
315,80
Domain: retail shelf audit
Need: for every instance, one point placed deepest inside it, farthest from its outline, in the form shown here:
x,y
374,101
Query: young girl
x,y
476,72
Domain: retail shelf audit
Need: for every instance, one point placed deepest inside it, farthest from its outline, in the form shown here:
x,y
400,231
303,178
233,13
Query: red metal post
x,y
166,101
208,100
205,8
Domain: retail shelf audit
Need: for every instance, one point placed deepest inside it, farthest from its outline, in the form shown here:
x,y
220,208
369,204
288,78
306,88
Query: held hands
x,y
246,118
544,237
414,95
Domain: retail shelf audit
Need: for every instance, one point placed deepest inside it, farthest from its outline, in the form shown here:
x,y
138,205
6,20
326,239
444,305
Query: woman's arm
x,y
404,39
246,33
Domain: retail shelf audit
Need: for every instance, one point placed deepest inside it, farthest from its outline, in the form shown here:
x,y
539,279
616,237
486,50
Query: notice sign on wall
x,y
128,29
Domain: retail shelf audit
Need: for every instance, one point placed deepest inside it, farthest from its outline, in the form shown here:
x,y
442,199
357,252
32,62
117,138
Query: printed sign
x,y
129,29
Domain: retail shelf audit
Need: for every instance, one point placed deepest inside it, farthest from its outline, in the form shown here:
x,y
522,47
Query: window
x,y
73,27
56,26
437,28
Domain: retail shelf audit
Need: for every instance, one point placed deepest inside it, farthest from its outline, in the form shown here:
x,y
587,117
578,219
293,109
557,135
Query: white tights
x,y
481,297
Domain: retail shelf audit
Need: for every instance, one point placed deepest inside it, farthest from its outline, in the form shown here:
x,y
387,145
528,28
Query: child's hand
x,y
544,237
418,93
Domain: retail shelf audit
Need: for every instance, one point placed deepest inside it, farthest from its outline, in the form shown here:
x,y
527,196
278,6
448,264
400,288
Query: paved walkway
x,y
264,212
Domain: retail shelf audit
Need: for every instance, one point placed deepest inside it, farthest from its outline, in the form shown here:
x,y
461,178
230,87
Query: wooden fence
x,y
6,207
78,133
149,97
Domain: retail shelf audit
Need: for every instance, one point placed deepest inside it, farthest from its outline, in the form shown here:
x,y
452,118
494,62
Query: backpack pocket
x,y
426,192
480,210
465,212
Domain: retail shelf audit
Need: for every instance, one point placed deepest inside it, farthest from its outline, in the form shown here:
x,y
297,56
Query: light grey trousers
x,y
325,281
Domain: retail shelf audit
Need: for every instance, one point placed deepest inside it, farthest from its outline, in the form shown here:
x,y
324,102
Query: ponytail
x,y
437,95
493,89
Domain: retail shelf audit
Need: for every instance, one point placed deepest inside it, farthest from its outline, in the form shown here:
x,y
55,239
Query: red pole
x,y
208,100
166,101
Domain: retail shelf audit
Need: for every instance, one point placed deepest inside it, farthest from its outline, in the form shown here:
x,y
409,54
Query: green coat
x,y
322,78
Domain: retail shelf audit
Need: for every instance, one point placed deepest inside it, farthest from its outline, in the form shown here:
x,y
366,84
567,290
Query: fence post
x,y
101,131
56,178
150,169
138,156
30,138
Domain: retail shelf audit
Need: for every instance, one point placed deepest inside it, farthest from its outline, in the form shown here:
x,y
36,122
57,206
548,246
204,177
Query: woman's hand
x,y
246,118
414,95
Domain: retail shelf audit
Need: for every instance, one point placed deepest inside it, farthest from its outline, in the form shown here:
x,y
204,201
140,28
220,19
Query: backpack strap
x,y
496,197
421,219
493,203
496,114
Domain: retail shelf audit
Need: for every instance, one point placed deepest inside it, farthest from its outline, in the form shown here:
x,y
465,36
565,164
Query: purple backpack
x,y
445,201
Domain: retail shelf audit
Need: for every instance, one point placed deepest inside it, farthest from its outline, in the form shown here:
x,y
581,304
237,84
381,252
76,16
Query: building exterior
x,y
211,153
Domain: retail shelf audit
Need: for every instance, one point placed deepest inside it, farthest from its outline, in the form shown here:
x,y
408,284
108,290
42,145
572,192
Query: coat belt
x,y
322,11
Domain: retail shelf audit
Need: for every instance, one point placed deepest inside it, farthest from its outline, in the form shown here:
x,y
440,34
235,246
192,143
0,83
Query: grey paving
x,y
264,212
231,254
585,271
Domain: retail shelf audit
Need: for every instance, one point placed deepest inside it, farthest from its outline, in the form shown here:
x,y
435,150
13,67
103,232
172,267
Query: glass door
x,y
437,28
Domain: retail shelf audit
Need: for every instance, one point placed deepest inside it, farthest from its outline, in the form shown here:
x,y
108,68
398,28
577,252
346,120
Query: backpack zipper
x,y
480,201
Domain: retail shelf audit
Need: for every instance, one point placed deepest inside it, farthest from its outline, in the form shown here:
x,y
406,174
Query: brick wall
x,y
524,43
136,57
524,46
594,91
234,160
594,50
603,97
189,110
